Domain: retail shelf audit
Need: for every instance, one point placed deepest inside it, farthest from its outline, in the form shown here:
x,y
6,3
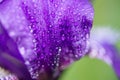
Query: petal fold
x,y
10,58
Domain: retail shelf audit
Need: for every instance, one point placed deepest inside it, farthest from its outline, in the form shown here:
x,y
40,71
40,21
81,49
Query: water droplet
x,y
76,56
42,65
31,31
12,33
56,5
81,35
63,37
57,64
87,36
22,50
52,64
59,49
34,40
27,62
50,26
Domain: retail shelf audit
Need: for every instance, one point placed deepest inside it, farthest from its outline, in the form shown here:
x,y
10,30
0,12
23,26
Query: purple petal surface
x,y
115,57
50,34
10,58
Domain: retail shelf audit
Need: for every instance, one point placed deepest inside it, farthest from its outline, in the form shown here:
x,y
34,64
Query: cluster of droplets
x,y
9,77
58,40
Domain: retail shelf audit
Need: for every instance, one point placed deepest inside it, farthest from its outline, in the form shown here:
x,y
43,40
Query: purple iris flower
x,y
102,46
44,35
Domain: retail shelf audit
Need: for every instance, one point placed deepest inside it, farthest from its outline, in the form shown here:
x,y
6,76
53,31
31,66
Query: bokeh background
x,y
107,13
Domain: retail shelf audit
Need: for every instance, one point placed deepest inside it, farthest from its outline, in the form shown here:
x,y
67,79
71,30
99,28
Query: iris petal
x,y
115,57
59,38
10,58
50,34
103,47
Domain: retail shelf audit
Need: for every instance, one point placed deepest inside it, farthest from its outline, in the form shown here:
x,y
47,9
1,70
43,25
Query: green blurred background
x,y
107,13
